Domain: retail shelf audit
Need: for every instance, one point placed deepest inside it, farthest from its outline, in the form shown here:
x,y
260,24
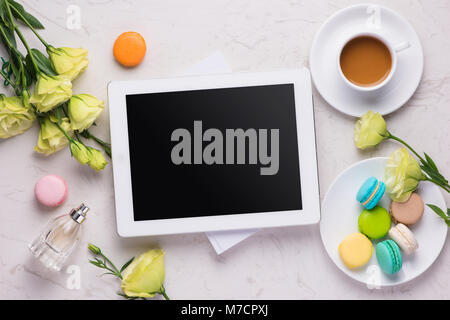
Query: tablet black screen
x,y
213,152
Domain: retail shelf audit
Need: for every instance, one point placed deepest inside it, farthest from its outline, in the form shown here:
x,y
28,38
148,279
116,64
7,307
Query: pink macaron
x,y
51,190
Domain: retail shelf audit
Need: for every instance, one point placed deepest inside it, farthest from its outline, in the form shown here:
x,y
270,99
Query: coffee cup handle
x,y
402,46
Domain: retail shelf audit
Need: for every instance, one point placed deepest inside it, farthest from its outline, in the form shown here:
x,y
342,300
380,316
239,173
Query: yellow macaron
x,y
355,250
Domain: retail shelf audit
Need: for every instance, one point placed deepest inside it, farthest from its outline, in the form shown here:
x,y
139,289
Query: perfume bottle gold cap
x,y
79,214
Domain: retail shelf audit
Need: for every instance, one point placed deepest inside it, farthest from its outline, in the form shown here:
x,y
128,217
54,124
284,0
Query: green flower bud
x,y
370,130
15,116
79,152
70,62
51,138
94,249
402,175
84,109
145,275
96,159
50,92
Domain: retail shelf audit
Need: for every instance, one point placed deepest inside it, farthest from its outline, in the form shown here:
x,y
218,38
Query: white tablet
x,y
211,153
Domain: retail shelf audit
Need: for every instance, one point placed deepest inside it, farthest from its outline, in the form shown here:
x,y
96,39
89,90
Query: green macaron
x,y
374,223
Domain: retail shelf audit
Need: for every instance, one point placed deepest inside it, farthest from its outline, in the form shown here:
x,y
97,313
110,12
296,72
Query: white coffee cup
x,y
393,50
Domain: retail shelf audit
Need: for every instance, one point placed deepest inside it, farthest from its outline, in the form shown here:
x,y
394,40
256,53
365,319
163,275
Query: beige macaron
x,y
409,212
404,238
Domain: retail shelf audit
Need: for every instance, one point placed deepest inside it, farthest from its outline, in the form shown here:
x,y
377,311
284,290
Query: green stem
x,y
112,271
64,132
118,274
78,137
5,37
12,84
390,136
31,27
14,49
18,56
22,38
446,188
163,293
22,74
106,146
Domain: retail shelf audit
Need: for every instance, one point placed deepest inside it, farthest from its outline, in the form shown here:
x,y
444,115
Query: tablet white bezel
x,y
127,227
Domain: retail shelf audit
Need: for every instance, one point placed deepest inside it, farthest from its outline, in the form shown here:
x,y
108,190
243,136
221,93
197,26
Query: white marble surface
x,y
288,263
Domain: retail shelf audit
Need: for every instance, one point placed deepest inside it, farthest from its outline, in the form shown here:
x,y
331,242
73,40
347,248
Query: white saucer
x,y
325,48
340,212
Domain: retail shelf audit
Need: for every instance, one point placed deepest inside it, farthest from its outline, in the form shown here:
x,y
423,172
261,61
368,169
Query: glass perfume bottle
x,y
59,238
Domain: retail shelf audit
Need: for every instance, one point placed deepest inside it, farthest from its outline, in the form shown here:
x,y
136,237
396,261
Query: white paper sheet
x,y
220,240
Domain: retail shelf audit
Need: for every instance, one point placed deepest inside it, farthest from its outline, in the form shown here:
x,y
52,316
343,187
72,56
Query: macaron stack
x,y
374,223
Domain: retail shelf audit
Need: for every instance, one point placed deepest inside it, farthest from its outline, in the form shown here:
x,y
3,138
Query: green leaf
x,y
12,65
429,166
440,212
6,69
3,10
108,273
433,174
430,162
30,75
126,265
2,7
58,113
24,15
95,263
43,62
10,35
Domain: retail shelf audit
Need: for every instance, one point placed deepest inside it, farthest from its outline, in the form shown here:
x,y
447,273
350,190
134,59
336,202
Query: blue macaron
x,y
371,192
389,256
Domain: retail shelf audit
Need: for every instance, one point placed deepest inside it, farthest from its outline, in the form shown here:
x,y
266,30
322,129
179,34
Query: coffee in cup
x,y
366,61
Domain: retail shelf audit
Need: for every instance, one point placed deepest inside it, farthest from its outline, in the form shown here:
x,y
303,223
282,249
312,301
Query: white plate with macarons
x,y
340,212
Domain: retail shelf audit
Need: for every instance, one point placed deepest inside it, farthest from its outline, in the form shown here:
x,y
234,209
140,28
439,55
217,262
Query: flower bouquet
x,y
64,118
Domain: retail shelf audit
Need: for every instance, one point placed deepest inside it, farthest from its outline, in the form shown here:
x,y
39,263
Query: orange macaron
x,y
129,49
